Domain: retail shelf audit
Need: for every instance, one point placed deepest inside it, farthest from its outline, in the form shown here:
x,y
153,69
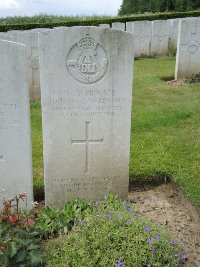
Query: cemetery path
x,y
167,206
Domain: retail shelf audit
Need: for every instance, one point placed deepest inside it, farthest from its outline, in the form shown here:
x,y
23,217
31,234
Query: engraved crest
x,y
87,61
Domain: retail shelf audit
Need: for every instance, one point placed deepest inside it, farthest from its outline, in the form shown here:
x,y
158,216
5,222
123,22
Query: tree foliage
x,y
142,6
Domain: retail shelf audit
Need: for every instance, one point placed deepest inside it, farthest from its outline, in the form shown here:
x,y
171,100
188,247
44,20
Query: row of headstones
x,y
151,38
85,113
163,37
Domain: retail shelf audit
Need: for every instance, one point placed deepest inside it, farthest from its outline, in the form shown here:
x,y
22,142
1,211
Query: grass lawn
x,y
165,133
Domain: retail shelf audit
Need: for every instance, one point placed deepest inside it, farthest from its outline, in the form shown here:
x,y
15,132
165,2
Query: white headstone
x,y
174,32
104,25
118,26
160,37
6,37
30,39
188,48
141,31
86,81
15,142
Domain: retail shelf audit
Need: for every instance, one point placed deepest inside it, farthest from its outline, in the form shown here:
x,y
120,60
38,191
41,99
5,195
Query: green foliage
x,y
112,235
30,23
142,6
194,78
165,127
18,239
52,221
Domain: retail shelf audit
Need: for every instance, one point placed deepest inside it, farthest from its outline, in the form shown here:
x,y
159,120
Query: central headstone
x,y
86,82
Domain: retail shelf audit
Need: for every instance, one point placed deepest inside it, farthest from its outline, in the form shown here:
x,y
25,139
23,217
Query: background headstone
x,y
188,48
141,31
104,25
118,26
174,32
160,37
30,39
86,82
6,37
15,141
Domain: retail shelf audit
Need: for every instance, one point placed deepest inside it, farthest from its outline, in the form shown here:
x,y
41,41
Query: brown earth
x,y
167,206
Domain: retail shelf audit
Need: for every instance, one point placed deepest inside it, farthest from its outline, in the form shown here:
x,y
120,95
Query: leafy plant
x,y
114,234
18,239
52,221
194,78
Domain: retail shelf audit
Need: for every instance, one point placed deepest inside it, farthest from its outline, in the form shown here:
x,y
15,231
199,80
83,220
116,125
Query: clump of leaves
x,y
114,234
51,221
18,239
194,78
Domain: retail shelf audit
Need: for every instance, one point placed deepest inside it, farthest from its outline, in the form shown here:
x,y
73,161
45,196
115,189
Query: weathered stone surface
x,y
15,142
104,25
6,37
160,37
142,36
86,81
174,32
188,48
30,39
118,26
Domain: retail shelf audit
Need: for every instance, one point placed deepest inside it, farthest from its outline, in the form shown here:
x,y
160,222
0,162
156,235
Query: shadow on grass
x,y
167,78
139,182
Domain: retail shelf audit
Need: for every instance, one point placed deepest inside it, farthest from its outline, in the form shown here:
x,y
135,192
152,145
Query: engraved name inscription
x,y
87,61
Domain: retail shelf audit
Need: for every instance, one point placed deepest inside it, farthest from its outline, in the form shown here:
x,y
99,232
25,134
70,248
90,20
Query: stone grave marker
x,y
160,37
188,48
30,39
104,25
86,82
118,26
141,31
6,37
174,32
15,141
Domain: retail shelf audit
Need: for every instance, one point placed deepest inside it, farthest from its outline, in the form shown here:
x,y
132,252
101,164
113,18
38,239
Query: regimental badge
x,y
87,61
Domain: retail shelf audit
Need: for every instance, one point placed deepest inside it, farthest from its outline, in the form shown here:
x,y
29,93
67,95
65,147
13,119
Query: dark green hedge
x,y
96,22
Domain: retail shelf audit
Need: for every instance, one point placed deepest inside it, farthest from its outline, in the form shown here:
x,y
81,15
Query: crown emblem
x,y
87,43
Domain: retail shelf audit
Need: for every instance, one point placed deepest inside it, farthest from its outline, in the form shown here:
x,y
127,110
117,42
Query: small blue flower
x,y
129,222
150,240
120,217
149,265
101,215
157,236
119,263
147,229
109,215
173,242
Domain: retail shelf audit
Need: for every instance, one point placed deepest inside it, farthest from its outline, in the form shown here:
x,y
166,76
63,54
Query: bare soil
x,y
166,205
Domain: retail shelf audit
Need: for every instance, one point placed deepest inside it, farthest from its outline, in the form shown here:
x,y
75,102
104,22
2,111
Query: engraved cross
x,y
87,143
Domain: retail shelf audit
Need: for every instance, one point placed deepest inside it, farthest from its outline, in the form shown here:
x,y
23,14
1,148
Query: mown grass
x,y
165,133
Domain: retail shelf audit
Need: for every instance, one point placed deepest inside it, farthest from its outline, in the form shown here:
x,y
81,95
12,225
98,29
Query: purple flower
x,y
173,242
120,216
109,215
149,265
157,236
147,229
101,215
96,203
153,251
129,222
150,240
119,263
